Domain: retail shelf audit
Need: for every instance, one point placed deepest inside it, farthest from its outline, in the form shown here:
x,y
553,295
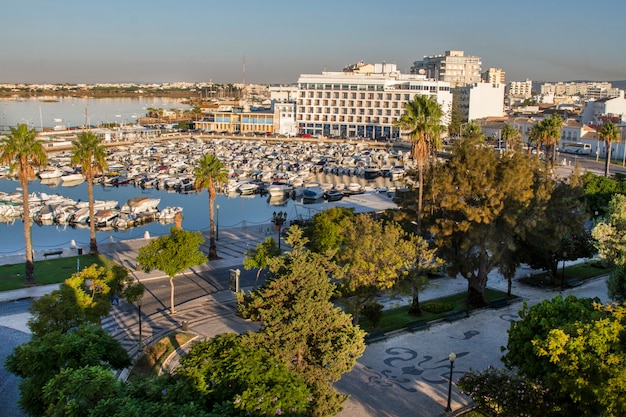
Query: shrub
x,y
437,307
373,312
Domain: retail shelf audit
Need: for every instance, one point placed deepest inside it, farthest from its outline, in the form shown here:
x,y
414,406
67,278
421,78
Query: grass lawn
x,y
398,318
154,356
49,271
581,272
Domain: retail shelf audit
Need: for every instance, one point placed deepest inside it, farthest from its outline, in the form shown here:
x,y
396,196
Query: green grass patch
x,y
49,271
398,318
582,271
155,355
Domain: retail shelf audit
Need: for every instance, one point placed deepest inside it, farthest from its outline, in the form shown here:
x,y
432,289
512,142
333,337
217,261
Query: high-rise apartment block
x,y
453,67
494,76
520,89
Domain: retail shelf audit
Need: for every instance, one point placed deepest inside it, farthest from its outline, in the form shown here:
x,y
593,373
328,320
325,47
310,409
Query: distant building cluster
x,y
366,100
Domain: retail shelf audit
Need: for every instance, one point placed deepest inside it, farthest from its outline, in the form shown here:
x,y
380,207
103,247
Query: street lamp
x,y
279,219
140,337
217,223
452,358
563,272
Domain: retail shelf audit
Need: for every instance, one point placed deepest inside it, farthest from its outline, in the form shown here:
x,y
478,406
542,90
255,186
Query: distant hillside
x,y
619,84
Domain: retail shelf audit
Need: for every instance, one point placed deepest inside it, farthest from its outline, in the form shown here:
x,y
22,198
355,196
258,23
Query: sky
x,y
274,41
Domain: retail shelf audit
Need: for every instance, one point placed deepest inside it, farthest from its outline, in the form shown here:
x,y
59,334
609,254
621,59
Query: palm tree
x,y
21,150
511,136
552,134
473,131
90,154
609,132
422,120
537,135
210,173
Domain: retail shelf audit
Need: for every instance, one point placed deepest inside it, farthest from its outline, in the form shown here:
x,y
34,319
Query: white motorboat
x,y
141,204
248,188
313,193
47,174
279,189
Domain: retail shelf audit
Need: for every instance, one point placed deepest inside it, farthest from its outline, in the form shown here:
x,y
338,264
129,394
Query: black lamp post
x,y
140,336
452,358
217,223
563,272
279,219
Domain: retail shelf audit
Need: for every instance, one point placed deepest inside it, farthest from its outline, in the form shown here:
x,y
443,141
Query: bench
x,y
571,283
374,337
417,325
57,252
454,316
499,303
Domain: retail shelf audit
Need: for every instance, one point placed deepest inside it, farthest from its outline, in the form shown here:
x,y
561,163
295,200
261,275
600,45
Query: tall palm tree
x,y
473,131
609,132
422,121
21,150
210,173
552,134
537,135
89,152
511,136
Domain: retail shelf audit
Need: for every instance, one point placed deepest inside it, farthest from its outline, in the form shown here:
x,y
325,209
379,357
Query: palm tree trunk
x,y
93,244
607,163
420,197
212,245
30,264
172,296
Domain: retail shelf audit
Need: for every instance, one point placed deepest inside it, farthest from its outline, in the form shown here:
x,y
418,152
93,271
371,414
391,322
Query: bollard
x,y
146,235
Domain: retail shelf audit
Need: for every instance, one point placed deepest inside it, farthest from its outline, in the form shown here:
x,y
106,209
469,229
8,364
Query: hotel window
x,y
345,95
379,96
353,96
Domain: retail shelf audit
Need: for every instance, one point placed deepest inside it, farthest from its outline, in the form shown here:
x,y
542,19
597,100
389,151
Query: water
x,y
48,112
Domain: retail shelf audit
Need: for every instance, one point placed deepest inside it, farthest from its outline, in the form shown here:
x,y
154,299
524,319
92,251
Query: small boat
x,y
73,177
104,217
47,174
141,204
312,193
333,195
278,189
248,188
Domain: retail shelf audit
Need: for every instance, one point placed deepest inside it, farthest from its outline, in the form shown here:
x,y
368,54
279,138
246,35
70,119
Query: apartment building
x,y
495,76
363,100
479,100
453,66
520,89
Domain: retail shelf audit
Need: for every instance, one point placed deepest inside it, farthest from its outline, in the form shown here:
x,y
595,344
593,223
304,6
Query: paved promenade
x,y
405,375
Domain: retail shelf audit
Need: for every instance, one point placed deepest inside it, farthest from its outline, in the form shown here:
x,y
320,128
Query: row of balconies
x,y
352,104
355,96
353,111
346,119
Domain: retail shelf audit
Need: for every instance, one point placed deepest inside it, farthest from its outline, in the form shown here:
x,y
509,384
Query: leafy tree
x,y
473,131
226,370
172,254
375,256
610,238
422,120
503,393
74,392
599,190
83,298
325,232
610,133
576,348
260,256
301,326
210,173
89,152
46,356
23,153
477,201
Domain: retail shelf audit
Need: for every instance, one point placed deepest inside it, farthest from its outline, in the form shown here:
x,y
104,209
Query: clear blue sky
x,y
88,41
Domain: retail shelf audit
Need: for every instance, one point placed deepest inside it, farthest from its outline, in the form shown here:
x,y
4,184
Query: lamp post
x,y
140,336
563,272
217,223
279,219
452,358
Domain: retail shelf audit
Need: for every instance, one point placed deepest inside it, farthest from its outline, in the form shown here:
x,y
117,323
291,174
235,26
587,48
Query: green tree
x,y
260,256
576,348
610,240
301,326
422,121
552,134
89,152
477,200
226,370
375,256
325,232
23,153
473,131
46,356
210,173
610,134
599,190
172,254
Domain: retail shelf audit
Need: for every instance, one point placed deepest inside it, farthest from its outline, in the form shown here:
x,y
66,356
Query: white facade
x,y
595,110
285,118
480,100
521,89
284,94
364,100
453,66
494,76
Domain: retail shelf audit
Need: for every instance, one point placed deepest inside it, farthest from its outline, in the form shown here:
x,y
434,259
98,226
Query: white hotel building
x,y
363,100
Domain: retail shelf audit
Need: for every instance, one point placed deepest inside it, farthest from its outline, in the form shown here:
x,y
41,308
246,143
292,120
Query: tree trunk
x,y
607,163
172,296
93,244
30,264
420,196
212,246
415,309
